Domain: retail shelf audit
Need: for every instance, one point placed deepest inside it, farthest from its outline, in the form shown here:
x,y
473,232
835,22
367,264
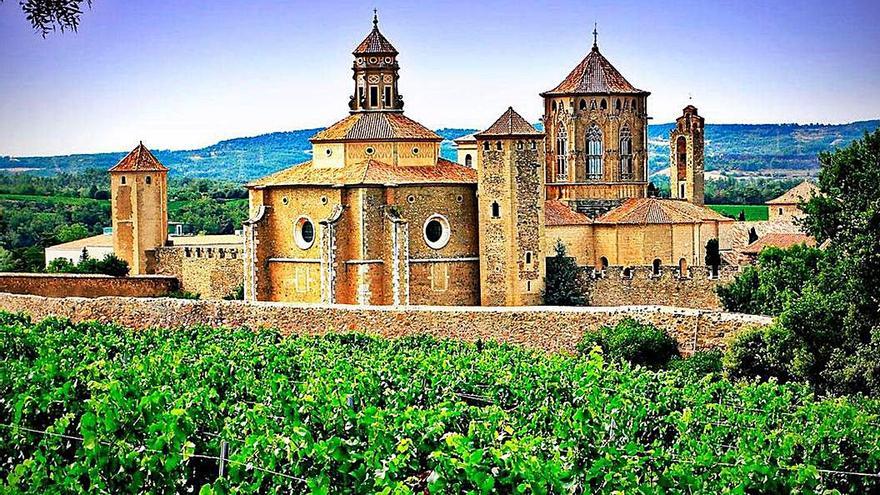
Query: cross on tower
x,y
375,18
595,35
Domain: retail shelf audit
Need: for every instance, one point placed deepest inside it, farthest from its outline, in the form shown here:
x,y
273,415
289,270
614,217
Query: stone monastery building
x,y
378,217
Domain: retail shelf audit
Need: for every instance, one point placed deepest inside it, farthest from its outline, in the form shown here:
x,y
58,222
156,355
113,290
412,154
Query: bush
x,y
236,295
763,352
638,343
182,294
564,286
110,265
698,365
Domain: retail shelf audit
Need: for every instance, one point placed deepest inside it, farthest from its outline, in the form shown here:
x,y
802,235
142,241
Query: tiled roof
x,y
801,192
375,43
778,240
370,172
466,139
735,235
643,211
376,126
100,240
594,74
139,160
206,240
510,124
558,213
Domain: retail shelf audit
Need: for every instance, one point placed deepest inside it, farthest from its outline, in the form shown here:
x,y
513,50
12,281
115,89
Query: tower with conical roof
x,y
139,208
375,74
510,198
596,126
686,179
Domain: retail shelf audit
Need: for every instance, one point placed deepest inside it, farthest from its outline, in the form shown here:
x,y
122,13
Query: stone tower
x,y
139,208
375,74
596,124
510,192
686,157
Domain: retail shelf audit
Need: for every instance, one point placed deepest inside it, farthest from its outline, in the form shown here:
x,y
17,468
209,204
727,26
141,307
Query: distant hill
x,y
764,148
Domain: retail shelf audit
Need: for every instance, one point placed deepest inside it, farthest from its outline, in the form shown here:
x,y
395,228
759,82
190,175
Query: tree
x,y
5,260
47,15
753,235
564,286
67,233
742,216
713,255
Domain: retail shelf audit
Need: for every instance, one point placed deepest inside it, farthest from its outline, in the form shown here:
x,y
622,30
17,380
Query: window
x,y
498,146
534,145
528,259
627,273
780,210
683,268
681,192
415,150
324,200
328,152
681,157
486,146
562,154
583,104
436,231
634,106
374,96
496,210
149,180
553,105
387,96
410,199
617,105
304,232
468,160
626,158
519,145
123,180
603,263
370,150
655,267
604,104
595,165
439,277
360,94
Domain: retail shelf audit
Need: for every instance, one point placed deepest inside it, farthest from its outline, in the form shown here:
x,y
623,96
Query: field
x,y
53,200
753,212
92,408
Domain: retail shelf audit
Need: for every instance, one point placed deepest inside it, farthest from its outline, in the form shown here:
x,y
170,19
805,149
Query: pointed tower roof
x,y
139,159
510,124
375,42
594,75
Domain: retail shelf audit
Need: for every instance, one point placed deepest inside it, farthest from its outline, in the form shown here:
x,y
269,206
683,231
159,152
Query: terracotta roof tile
x,y
139,159
594,74
778,240
376,126
370,172
375,42
659,211
100,240
510,124
557,213
801,192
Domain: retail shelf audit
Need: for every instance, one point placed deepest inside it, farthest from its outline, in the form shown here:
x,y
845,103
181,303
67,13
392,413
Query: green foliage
x,y
210,216
713,255
109,265
638,343
357,414
182,294
236,295
765,353
564,284
778,279
67,233
697,365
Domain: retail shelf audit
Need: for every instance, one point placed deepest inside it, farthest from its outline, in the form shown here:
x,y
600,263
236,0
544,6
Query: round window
x,y
323,200
304,232
284,200
436,231
329,152
411,199
459,198
370,150
415,151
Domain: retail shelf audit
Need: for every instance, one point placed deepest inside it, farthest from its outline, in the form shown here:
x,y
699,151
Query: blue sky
x,y
184,74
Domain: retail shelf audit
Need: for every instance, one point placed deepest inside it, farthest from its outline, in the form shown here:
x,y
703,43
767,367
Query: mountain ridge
x,y
743,148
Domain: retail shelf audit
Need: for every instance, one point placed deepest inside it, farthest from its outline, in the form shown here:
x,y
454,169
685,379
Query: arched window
x,y
626,157
617,105
468,161
603,263
681,157
655,267
603,105
592,104
149,180
561,153
123,180
595,165
498,146
634,106
496,210
553,106
682,268
486,145
583,104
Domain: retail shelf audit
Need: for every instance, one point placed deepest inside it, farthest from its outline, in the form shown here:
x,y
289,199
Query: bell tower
x,y
375,74
686,179
139,208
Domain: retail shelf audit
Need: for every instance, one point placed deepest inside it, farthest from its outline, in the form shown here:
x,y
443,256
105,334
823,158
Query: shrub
x,y
182,294
236,295
698,365
638,343
564,286
110,265
762,352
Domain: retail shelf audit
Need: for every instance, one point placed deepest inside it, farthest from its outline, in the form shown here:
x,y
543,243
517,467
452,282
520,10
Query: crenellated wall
x,y
642,287
213,272
546,328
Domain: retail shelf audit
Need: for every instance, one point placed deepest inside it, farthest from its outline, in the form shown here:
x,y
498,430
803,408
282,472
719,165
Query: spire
x,y
595,36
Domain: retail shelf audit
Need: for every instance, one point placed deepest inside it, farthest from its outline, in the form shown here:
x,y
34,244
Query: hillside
x,y
764,149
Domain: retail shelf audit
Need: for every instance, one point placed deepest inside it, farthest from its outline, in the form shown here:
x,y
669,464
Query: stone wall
x,y
643,287
545,328
214,272
77,285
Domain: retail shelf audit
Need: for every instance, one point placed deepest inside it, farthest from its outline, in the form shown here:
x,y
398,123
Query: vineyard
x,y
91,408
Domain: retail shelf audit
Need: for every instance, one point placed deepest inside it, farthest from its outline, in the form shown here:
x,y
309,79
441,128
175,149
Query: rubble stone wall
x,y
82,285
549,329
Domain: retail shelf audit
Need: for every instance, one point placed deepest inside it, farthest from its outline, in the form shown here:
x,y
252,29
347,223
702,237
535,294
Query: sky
x,y
183,74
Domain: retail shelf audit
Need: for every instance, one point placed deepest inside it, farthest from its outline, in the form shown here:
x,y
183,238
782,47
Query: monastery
x,y
378,217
